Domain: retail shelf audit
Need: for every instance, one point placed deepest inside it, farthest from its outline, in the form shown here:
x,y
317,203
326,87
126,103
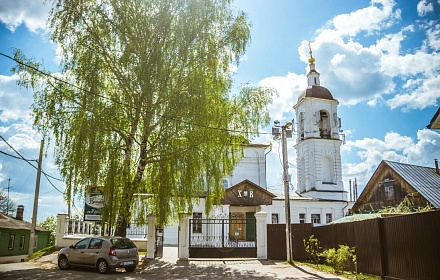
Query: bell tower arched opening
x,y
324,124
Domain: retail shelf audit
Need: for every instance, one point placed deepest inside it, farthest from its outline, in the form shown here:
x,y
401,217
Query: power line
x,y
125,104
29,162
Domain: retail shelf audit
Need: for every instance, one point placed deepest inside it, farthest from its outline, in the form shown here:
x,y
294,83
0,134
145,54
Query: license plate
x,y
127,263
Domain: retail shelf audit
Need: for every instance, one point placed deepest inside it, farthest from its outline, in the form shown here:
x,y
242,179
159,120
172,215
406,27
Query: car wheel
x,y
102,266
130,268
63,262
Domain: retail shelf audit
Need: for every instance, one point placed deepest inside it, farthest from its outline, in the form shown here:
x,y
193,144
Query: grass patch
x,y
43,252
329,269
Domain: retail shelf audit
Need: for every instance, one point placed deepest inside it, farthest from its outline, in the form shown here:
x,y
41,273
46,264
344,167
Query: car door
x,y
92,251
76,254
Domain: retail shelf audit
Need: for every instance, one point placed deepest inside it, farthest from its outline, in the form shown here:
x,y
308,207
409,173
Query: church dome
x,y
316,92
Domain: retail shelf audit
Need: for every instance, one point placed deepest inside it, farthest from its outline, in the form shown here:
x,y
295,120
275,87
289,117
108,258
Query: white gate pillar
x,y
183,252
261,234
61,229
151,237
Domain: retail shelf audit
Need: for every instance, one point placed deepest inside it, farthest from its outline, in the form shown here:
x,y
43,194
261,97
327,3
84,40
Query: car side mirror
x,y
72,247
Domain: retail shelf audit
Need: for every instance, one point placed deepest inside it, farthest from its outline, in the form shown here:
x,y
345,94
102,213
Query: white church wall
x,y
251,167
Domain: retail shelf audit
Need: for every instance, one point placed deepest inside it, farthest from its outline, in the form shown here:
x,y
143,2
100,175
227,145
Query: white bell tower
x,y
318,146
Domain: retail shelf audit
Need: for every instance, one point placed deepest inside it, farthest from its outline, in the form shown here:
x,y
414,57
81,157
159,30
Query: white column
x,y
183,253
61,228
151,237
261,235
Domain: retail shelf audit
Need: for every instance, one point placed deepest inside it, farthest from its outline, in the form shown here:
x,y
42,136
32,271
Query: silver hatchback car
x,y
104,253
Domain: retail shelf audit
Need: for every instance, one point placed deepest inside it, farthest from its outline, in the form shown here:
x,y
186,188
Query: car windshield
x,y
122,243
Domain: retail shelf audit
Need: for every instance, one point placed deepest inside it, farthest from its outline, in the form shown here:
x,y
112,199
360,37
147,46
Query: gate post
x,y
151,237
261,234
183,252
61,229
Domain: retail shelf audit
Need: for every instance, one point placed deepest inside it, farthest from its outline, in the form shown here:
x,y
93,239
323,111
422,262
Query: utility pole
x,y
37,191
286,132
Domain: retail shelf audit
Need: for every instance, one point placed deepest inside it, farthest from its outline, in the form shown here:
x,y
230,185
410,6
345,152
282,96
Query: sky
x,y
380,59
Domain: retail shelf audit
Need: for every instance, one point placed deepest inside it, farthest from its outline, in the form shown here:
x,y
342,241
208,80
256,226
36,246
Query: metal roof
x,y
8,222
423,179
316,92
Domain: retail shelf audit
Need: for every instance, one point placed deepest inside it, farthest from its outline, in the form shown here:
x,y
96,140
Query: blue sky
x,y
380,59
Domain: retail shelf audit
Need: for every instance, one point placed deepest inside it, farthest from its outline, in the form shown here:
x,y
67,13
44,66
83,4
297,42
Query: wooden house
x,y
435,121
393,181
15,235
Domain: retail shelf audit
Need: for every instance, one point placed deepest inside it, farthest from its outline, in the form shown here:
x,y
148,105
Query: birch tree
x,y
143,102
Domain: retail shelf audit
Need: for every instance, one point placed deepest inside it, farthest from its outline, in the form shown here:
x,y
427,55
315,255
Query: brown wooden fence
x,y
398,247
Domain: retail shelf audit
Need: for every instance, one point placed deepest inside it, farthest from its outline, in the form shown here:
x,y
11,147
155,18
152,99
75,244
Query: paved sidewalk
x,y
169,267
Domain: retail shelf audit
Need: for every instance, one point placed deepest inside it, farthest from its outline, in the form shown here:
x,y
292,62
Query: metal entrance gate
x,y
222,238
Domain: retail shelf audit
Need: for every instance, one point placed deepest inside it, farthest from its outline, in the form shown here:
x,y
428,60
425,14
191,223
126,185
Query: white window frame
x,y
225,184
22,241
11,241
316,218
389,190
35,241
328,218
275,218
302,218
197,223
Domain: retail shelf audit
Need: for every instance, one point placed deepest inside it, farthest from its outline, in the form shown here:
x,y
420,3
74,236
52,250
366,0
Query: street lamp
x,y
286,132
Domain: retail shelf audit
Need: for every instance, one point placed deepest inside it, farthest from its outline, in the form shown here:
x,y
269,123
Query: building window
x,y
22,242
302,218
328,218
389,190
11,241
225,184
197,223
274,218
324,124
316,218
301,125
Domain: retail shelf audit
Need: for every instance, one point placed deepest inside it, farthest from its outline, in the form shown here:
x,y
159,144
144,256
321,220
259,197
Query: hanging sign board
x,y
94,202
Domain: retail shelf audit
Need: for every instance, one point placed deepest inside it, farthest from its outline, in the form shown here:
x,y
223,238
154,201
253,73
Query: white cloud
x,y
32,13
423,96
21,137
369,19
423,7
393,147
287,88
18,100
356,72
433,36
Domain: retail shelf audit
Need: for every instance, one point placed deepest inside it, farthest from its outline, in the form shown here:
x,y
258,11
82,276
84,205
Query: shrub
x,y
313,249
341,259
51,224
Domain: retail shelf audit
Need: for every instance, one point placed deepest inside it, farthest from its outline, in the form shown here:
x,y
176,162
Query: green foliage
x,y
348,275
313,249
51,224
341,258
142,103
7,205
406,206
43,252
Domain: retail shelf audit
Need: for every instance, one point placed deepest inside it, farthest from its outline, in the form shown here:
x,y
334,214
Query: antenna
x,y
7,201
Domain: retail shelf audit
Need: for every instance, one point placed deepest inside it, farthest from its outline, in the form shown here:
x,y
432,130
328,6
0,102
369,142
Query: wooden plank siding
x,y
374,198
397,247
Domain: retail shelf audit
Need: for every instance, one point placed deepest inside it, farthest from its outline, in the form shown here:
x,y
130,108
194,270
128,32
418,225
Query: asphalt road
x,y
168,267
